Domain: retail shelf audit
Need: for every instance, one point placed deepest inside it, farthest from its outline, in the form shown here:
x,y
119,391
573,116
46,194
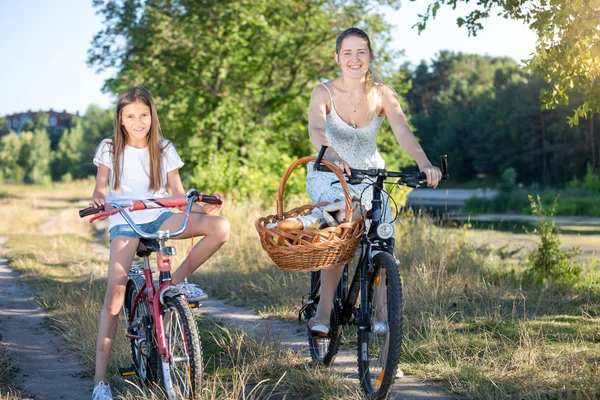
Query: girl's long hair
x,y
372,98
120,137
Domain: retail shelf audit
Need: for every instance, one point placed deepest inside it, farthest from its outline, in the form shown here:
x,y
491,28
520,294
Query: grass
x,y
471,322
70,278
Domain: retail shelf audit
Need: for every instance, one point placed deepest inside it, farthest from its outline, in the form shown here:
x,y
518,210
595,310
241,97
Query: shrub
x,y
548,262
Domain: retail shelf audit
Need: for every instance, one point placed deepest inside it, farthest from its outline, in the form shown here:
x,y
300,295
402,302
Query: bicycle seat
x,y
146,247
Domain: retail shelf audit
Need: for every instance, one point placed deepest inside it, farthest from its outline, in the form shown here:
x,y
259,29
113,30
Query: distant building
x,y
57,119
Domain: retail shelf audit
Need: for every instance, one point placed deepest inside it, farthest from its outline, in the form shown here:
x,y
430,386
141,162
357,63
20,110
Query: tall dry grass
x,y
471,322
69,277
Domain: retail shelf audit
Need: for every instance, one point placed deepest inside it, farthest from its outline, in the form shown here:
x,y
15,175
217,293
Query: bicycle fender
x,y
170,292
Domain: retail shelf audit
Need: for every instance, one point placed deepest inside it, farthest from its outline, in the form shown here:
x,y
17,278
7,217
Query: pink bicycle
x,y
165,344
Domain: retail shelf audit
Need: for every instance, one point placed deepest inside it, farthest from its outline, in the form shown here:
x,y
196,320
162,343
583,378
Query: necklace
x,y
350,100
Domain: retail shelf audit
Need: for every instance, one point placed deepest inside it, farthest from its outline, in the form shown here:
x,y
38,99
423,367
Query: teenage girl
x,y
138,163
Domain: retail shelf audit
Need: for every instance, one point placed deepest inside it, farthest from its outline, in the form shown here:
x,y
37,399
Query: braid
x,y
371,95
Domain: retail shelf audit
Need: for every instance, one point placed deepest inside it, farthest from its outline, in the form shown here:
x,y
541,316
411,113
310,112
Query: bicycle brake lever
x,y
412,183
356,179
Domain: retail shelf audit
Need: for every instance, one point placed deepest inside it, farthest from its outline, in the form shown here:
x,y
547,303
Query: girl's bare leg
x,y
215,230
122,251
329,282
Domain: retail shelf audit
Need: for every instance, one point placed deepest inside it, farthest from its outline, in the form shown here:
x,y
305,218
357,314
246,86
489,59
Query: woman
x,y
345,114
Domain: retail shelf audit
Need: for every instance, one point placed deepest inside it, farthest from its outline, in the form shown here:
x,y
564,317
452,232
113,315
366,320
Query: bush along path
x,y
45,369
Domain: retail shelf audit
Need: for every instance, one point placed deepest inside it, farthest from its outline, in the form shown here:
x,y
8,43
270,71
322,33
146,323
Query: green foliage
x,y
67,157
509,179
591,180
97,124
548,262
485,114
10,150
3,127
37,162
568,45
573,202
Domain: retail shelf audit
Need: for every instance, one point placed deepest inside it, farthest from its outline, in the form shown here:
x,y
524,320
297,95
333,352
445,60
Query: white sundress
x,y
358,147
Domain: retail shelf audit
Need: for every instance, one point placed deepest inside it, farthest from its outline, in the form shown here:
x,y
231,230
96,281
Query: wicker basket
x,y
310,249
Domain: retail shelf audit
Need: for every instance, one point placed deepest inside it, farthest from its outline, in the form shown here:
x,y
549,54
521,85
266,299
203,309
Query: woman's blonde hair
x,y
372,98
154,137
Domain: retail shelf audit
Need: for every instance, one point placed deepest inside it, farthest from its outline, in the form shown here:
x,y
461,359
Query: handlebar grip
x,y
317,163
444,164
422,176
210,199
90,211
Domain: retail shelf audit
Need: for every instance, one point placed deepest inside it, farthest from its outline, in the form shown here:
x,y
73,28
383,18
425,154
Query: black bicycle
x,y
378,312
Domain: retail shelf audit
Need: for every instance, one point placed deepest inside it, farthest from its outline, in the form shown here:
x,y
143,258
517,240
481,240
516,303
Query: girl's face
x,y
354,57
136,119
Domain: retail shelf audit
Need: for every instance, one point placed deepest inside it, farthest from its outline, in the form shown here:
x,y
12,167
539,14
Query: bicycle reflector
x,y
385,230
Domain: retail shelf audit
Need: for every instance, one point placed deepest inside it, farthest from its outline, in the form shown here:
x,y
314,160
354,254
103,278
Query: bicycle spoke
x,y
184,348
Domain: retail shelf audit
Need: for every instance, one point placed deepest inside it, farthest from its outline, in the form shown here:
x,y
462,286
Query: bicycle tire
x,y
144,350
185,349
380,336
323,348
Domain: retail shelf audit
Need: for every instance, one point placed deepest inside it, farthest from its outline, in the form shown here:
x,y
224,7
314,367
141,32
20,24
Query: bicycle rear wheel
x,y
380,341
143,342
323,348
183,375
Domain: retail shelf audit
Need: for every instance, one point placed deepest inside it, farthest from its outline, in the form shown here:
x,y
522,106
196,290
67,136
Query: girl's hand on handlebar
x,y
98,201
434,175
213,208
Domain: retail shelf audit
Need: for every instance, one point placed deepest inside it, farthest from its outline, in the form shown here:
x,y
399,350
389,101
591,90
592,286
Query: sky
x,y
44,44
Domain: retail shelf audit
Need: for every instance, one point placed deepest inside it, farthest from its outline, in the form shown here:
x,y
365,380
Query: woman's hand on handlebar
x,y
340,164
434,175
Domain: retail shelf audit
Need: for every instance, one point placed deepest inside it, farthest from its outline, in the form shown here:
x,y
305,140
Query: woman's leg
x,y
122,251
215,230
330,279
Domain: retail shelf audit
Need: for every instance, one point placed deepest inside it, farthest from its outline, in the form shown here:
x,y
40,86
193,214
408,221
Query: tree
x,y
231,79
10,150
568,46
97,124
67,157
36,156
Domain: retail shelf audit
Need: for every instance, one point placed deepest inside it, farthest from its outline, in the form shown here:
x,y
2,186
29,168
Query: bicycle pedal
x,y
127,371
195,304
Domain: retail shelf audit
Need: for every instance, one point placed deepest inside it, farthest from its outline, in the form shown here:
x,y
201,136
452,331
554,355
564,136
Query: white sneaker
x,y
192,291
318,327
102,392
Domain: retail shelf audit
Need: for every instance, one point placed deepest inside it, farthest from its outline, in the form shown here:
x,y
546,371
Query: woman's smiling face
x,y
354,57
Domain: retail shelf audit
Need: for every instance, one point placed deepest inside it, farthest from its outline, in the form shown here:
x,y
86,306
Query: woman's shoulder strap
x,y
326,86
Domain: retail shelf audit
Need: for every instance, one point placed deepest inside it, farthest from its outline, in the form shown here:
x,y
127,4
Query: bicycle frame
x,y
370,243
148,292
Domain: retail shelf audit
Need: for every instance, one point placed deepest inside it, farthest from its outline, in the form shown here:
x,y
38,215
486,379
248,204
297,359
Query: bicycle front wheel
x,y
182,377
380,336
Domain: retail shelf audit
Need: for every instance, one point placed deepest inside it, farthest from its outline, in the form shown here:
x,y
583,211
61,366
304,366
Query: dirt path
x,y
46,370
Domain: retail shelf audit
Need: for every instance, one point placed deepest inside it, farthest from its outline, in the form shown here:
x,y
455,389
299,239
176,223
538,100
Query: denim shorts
x,y
150,227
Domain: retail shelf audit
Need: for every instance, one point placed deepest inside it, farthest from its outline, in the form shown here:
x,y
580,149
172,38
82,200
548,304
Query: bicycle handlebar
x,y
170,202
191,197
411,179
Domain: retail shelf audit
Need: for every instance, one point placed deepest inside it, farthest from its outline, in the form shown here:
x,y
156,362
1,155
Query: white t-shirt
x,y
135,178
